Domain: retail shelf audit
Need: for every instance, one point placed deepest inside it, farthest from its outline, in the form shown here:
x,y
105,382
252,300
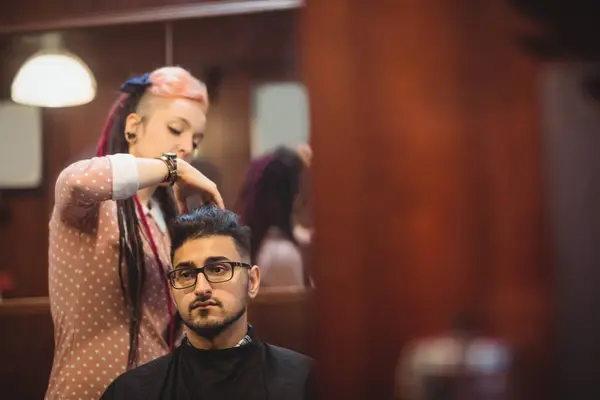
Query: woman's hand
x,y
190,182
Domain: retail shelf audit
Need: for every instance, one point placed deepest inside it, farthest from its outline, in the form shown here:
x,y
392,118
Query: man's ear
x,y
253,281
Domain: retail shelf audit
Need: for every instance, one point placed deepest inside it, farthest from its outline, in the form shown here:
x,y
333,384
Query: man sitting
x,y
221,357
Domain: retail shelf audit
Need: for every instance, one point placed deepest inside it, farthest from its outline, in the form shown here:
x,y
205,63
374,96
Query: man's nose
x,y
202,285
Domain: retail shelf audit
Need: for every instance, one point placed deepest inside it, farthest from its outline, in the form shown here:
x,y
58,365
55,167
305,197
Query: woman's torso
x,y
91,319
280,261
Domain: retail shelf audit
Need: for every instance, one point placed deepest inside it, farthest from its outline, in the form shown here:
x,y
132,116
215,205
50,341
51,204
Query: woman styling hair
x,y
109,241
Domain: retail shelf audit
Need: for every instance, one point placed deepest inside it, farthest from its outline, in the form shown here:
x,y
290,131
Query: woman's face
x,y
166,125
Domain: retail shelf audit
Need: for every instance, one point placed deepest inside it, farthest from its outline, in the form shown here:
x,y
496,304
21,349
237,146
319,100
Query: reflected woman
x,y
267,204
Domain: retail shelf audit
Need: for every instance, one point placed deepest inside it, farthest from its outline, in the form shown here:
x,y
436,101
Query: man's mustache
x,y
203,301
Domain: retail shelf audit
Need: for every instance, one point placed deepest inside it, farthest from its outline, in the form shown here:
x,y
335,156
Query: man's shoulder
x,y
288,358
290,373
135,383
150,369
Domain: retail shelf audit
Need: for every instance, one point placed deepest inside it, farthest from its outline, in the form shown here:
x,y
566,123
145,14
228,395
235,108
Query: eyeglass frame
x,y
199,270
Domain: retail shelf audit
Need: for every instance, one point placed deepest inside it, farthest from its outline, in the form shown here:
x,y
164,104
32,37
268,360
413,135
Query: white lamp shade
x,y
53,79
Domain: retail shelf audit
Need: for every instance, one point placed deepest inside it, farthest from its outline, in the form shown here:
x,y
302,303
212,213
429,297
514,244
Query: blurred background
x,y
448,206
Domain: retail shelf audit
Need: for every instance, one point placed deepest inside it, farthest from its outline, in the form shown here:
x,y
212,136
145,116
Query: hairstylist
x,y
109,237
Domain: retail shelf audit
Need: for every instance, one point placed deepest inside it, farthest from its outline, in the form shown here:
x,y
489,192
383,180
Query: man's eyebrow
x,y
210,260
185,264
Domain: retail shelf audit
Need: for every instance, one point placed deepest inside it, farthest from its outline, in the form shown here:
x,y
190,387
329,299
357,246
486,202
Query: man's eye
x,y
185,274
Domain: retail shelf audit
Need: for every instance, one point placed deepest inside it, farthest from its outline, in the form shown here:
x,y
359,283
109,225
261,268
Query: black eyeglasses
x,y
217,272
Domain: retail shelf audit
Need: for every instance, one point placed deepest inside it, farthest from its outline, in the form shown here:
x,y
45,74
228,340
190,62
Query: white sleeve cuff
x,y
125,176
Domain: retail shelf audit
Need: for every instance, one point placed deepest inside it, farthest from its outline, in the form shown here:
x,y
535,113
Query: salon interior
x,y
448,207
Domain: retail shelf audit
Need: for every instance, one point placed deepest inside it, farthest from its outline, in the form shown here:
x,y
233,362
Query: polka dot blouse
x,y
91,319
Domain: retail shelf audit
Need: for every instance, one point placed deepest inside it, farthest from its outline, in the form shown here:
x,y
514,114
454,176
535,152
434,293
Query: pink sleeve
x,y
83,185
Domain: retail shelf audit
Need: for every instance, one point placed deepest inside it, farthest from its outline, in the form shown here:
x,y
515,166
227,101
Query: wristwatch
x,y
171,160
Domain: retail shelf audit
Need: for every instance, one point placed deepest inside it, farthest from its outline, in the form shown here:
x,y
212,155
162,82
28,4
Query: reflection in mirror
x,y
274,198
272,203
94,307
280,116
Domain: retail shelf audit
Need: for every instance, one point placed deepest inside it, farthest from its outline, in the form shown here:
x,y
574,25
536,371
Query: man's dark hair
x,y
210,221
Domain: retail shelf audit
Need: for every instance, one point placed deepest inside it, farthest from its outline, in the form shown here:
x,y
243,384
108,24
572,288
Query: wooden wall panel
x,y
285,317
25,355
428,188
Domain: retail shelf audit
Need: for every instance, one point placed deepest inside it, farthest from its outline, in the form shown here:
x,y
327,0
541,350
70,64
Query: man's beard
x,y
210,330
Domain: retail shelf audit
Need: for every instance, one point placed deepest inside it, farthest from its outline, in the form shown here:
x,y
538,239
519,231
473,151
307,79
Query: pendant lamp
x,y
53,77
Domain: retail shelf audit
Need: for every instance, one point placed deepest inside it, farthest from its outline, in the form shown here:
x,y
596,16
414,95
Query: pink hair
x,y
173,82
177,82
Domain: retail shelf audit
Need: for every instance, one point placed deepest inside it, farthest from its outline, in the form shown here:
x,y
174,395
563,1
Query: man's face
x,y
208,308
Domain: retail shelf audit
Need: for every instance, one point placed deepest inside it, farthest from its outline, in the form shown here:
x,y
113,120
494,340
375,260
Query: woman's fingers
x,y
209,193
193,181
216,195
209,190
181,203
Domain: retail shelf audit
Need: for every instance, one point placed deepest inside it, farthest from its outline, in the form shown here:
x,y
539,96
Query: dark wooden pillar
x,y
428,187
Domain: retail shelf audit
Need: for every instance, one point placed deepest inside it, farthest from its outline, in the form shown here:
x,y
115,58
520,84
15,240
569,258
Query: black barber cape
x,y
253,371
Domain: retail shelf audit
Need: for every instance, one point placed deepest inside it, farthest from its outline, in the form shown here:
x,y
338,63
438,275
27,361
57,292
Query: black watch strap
x,y
170,159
